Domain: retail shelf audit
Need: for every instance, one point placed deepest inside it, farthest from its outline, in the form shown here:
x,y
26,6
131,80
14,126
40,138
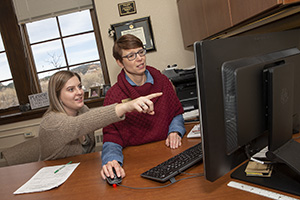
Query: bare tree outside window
x,y
68,45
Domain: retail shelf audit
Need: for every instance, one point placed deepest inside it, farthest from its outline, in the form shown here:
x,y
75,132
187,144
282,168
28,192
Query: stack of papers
x,y
258,169
195,132
47,178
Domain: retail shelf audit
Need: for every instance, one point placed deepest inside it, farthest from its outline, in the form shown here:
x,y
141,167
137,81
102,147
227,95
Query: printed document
x,y
195,132
47,178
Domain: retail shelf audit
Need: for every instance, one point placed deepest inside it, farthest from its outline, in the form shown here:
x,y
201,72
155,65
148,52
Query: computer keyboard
x,y
175,165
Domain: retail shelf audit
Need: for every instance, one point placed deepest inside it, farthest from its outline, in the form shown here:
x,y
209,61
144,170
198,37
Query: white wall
x,y
166,32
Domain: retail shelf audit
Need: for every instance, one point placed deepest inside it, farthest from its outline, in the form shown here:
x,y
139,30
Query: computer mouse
x,y
114,181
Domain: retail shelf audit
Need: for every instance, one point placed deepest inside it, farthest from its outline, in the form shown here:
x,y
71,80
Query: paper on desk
x,y
46,179
261,154
195,132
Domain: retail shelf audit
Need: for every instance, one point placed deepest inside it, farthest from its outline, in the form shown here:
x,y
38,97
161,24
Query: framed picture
x,y
105,89
127,8
141,28
38,100
94,92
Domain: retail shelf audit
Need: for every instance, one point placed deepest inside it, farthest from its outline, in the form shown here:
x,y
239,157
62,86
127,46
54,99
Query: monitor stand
x,y
282,148
287,154
283,178
280,92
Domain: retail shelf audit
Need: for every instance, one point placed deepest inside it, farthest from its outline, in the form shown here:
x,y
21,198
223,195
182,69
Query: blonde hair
x,y
55,85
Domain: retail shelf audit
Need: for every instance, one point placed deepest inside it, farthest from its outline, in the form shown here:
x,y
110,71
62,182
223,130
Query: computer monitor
x,y
238,79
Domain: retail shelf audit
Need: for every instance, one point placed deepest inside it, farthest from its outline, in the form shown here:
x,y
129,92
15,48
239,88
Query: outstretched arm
x,y
141,104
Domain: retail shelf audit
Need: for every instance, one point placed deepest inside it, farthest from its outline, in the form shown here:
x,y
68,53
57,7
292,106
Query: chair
x,y
25,152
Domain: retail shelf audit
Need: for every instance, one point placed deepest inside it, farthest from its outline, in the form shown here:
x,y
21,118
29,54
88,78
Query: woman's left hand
x,y
173,141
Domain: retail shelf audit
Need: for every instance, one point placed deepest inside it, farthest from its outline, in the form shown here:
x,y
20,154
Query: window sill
x,y
17,116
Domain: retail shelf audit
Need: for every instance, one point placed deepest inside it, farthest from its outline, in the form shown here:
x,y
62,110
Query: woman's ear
x,y
120,64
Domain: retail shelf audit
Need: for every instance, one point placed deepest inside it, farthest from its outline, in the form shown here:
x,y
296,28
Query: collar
x,y
149,78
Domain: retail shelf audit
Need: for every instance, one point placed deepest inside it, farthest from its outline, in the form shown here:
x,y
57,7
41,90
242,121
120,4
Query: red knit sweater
x,y
141,128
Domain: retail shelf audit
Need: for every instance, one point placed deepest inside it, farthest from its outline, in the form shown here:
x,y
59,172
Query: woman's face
x,y
134,67
72,96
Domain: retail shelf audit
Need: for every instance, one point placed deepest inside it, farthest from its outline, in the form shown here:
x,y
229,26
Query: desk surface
x,y
86,182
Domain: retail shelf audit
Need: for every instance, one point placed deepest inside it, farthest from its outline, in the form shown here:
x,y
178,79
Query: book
x,y
258,169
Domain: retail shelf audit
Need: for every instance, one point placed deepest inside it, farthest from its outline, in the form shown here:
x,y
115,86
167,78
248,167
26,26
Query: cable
x,y
172,180
197,174
296,138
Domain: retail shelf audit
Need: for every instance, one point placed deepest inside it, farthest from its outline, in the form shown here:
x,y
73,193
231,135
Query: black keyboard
x,y
175,165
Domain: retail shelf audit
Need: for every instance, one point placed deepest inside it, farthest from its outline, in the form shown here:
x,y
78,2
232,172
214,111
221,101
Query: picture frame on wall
x,y
105,89
94,92
141,28
38,100
127,8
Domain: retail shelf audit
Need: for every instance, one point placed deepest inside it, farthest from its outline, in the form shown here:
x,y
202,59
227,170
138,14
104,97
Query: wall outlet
x,y
28,135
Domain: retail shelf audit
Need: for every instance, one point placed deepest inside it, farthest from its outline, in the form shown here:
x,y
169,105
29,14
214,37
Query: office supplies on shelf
x,y
191,115
175,165
195,132
259,191
45,179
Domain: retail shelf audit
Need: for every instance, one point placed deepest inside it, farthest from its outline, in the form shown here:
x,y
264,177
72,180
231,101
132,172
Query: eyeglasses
x,y
132,56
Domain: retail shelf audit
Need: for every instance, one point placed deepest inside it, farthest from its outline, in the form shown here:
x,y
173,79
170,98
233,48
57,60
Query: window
x,y
8,96
66,42
35,50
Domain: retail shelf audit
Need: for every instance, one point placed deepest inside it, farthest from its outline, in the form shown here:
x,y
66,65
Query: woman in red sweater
x,y
137,79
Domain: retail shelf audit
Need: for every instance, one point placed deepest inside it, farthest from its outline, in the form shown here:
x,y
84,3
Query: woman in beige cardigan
x,y
67,128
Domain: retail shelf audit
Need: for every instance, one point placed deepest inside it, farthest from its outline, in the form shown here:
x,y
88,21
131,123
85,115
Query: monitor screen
x,y
233,97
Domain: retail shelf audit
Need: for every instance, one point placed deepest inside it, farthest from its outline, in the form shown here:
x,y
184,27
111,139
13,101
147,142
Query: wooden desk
x,y
86,183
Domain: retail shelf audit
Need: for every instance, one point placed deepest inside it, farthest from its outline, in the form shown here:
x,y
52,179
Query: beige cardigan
x,y
59,133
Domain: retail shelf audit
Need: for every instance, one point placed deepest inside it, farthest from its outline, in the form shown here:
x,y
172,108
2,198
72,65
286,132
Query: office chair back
x,y
25,152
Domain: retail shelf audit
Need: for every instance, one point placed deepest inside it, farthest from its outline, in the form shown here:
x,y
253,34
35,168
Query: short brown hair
x,y
55,85
127,41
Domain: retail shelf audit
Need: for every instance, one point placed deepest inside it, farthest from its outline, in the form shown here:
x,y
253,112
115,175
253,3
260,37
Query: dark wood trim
x,y
100,47
260,24
13,44
31,63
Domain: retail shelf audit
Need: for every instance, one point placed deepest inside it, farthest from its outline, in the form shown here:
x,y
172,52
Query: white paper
x,y
195,132
46,179
191,114
262,153
261,156
138,32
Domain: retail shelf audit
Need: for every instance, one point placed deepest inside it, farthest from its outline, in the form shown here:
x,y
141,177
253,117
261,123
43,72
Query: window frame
x,y
19,54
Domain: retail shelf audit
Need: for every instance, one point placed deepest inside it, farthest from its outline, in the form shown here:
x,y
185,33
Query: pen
x,y
62,167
